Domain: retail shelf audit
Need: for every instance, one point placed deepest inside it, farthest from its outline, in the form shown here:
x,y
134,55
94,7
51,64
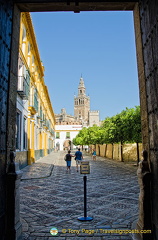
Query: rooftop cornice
x,y
34,41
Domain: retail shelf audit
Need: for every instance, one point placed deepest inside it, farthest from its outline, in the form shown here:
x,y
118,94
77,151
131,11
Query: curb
x,y
37,175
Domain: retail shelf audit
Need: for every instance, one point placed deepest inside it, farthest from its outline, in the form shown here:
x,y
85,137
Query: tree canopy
x,y
123,127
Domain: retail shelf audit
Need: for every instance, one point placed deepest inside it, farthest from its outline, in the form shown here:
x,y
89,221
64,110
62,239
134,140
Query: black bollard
x,y
85,195
85,218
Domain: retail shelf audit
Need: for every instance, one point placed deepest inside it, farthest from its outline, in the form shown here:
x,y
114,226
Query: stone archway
x,y
67,145
146,32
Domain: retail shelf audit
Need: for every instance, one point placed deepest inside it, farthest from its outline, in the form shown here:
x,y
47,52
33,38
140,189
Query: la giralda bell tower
x,y
82,104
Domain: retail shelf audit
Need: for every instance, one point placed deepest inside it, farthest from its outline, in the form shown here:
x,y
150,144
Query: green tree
x,y
136,129
91,135
80,138
123,127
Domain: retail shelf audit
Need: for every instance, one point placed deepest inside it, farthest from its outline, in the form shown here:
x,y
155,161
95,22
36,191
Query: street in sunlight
x,y
52,199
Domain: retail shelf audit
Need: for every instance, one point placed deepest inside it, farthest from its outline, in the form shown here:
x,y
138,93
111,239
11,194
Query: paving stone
x,y
41,238
30,229
25,236
54,237
39,234
93,238
57,199
104,227
119,226
68,235
125,238
110,238
49,235
96,238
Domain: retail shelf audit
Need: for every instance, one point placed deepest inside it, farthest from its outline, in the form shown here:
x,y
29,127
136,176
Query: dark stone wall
x,y
73,5
6,8
12,225
149,29
9,47
13,79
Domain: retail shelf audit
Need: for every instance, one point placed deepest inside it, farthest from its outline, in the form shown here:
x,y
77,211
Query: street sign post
x,y
85,169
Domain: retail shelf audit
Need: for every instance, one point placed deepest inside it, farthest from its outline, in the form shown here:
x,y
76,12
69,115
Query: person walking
x,y
78,158
94,154
68,157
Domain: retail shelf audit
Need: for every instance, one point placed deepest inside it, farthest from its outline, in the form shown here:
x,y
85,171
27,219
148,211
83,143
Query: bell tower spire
x,y
82,103
81,87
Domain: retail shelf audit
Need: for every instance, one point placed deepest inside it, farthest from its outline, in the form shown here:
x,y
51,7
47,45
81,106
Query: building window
x,y
18,131
36,99
23,87
68,135
57,135
24,134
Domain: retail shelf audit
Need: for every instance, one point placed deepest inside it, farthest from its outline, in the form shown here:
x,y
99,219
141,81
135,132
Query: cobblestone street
x,y
51,197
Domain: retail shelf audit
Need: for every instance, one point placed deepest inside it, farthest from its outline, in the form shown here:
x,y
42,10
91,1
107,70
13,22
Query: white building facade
x,y
64,134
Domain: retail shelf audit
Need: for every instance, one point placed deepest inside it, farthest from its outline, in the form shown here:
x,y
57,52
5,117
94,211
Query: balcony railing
x,y
23,87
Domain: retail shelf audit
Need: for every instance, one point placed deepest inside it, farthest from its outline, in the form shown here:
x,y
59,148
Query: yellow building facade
x,y
35,115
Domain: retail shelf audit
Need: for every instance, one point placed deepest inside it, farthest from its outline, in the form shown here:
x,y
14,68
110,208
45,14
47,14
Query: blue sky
x,y
98,45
